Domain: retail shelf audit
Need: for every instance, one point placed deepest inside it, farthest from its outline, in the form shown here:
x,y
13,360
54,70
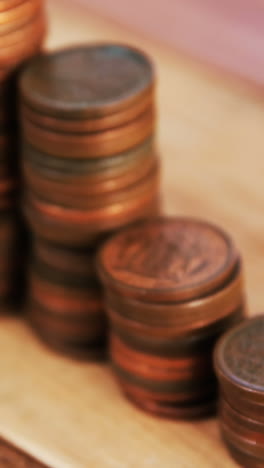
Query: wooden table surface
x,y
211,139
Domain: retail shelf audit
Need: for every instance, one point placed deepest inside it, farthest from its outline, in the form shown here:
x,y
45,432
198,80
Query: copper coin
x,y
27,33
198,410
66,232
250,409
87,82
245,427
81,193
100,168
81,350
93,145
91,125
74,189
158,367
7,4
253,444
144,186
244,459
170,341
194,314
94,218
239,360
15,55
68,328
76,261
168,259
173,391
14,18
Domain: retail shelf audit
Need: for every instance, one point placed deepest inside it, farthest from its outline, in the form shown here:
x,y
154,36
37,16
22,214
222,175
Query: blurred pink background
x,y
225,33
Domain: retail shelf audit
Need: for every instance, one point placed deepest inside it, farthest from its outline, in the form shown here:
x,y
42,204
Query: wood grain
x,y
71,415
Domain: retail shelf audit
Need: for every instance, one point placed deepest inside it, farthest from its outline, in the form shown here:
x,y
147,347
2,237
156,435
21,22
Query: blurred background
x,y
225,33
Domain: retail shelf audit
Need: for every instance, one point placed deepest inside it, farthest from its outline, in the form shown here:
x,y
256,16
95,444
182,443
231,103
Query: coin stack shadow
x,y
22,30
90,167
239,366
172,287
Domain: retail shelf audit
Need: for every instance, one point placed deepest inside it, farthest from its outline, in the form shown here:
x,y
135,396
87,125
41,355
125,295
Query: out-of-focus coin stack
x,y
172,287
90,167
22,29
240,368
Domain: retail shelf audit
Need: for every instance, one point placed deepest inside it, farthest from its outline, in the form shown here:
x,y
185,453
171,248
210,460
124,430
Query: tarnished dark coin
x,y
239,361
91,145
90,81
91,125
65,169
196,410
168,259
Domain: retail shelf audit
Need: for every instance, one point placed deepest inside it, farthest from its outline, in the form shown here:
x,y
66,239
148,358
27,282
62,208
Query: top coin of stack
x,y
89,161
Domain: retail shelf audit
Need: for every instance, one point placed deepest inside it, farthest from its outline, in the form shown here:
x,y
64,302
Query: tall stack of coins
x,y
172,286
22,29
239,365
90,167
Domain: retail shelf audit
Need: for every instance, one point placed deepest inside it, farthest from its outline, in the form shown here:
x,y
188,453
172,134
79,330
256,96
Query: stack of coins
x,y
65,306
22,29
89,159
240,368
172,286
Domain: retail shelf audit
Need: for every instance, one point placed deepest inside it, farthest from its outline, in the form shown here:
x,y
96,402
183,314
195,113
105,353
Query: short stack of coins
x,y
22,30
172,287
90,167
239,364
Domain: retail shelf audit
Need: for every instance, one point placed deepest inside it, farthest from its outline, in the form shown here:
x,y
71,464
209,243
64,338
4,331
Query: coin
x,y
183,314
91,125
239,360
101,79
168,259
79,193
98,144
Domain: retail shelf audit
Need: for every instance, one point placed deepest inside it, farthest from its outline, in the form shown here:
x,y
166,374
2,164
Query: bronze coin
x,y
81,350
168,259
173,391
144,186
253,444
170,341
66,169
87,82
198,410
7,4
75,261
243,426
27,33
239,360
74,189
91,125
243,458
15,18
69,329
64,300
93,145
249,408
77,228
192,314
158,367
